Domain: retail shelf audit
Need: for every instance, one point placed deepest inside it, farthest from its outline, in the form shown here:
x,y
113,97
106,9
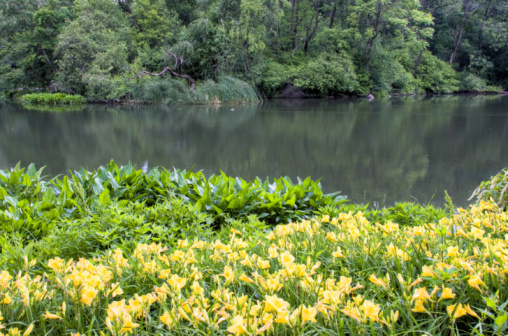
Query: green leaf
x,y
104,198
490,303
500,320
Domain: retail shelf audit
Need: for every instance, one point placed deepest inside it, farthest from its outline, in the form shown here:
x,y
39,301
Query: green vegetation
x,y
86,212
170,253
51,99
496,189
207,52
402,213
173,92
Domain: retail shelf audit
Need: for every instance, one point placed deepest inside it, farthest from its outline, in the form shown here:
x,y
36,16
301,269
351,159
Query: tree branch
x,y
173,73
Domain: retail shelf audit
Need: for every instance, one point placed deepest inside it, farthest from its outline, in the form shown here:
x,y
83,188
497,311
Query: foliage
x,y
170,91
92,47
276,77
328,74
94,44
473,83
389,74
30,206
343,275
496,188
175,92
401,213
436,75
27,207
227,90
51,99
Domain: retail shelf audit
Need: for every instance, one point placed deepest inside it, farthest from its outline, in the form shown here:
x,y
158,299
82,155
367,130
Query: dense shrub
x,y
472,83
31,207
226,90
275,77
435,75
163,90
389,75
175,92
402,213
328,74
495,188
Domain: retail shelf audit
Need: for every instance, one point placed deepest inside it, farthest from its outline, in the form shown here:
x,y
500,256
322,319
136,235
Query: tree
x,y
28,32
93,48
154,24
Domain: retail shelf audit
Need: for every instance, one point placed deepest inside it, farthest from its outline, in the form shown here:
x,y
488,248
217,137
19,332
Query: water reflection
x,y
398,149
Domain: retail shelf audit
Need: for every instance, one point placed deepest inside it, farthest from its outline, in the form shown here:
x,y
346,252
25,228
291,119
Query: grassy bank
x,y
118,251
165,91
52,99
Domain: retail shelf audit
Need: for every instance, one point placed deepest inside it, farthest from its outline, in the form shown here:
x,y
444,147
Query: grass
x,y
51,99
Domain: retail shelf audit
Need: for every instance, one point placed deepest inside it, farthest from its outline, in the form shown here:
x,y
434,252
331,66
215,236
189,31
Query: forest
x,y
189,51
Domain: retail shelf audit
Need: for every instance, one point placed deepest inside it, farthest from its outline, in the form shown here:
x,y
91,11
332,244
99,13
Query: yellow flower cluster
x,y
313,272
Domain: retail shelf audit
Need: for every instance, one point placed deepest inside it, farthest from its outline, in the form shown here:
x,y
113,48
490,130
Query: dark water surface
x,y
383,151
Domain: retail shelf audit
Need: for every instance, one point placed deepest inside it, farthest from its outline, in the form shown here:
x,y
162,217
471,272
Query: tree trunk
x,y
458,41
468,7
173,73
190,80
333,16
294,21
417,63
124,6
480,31
370,44
309,34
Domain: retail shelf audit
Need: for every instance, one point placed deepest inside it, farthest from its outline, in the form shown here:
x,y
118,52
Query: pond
x,y
404,149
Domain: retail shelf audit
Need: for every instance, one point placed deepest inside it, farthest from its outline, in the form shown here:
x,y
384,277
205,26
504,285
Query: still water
x,y
380,151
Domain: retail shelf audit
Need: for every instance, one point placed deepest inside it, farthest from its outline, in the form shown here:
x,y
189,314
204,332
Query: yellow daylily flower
x,y
88,295
176,282
282,317
238,326
370,310
377,281
421,294
447,294
338,253
455,311
128,325
167,319
475,281
245,278
419,308
50,316
308,314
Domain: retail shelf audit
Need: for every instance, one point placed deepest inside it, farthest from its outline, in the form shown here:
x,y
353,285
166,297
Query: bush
x,y
402,213
163,90
275,77
171,91
102,86
51,99
495,188
328,74
30,207
226,90
388,74
472,83
435,75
